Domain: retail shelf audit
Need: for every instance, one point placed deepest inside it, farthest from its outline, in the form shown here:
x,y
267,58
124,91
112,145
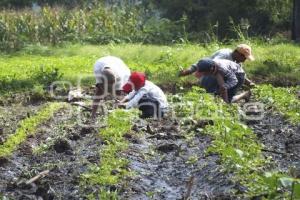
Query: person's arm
x,y
189,71
223,89
133,103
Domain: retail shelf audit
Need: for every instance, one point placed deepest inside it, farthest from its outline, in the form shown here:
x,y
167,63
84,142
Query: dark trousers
x,y
149,107
210,84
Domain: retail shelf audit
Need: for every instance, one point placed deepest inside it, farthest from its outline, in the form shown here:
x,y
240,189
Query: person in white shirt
x,y
144,95
239,55
111,74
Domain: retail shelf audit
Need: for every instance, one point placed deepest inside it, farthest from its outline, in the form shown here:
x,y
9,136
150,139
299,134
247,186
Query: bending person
x,y
223,81
239,55
111,74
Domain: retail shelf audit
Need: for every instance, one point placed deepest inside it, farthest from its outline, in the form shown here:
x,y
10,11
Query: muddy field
x,y
168,158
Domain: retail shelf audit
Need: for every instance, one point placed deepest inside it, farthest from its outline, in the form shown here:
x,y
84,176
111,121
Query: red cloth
x,y
136,81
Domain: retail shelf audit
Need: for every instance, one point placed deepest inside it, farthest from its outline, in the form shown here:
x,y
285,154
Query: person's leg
x,y
96,99
210,84
149,107
244,95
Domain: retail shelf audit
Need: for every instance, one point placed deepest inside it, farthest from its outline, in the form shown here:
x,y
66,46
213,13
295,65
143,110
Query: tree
x,y
296,21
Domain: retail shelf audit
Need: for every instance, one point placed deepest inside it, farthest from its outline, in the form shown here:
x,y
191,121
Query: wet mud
x,y
11,115
64,150
281,140
171,164
168,159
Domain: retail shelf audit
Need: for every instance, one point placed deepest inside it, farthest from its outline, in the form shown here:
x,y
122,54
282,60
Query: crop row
x,y
112,167
28,127
284,100
238,148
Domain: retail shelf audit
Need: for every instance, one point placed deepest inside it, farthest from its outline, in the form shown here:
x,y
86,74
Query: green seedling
x,y
28,127
284,100
112,168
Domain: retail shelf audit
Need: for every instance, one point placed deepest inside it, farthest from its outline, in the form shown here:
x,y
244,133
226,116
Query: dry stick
x,y
189,186
85,107
35,178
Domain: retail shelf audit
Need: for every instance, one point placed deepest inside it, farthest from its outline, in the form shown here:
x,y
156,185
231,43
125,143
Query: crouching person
x,y
223,78
144,95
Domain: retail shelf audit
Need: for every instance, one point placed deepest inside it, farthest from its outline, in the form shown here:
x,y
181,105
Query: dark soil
x,y
168,159
170,164
10,115
281,140
67,157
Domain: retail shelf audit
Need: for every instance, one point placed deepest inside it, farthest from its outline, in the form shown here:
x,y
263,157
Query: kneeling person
x,y
222,78
144,95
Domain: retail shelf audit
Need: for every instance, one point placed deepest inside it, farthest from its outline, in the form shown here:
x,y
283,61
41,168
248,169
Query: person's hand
x,y
121,105
252,85
180,73
198,74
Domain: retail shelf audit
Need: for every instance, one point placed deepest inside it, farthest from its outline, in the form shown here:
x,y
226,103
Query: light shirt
x,y
149,89
227,55
119,68
229,69
223,54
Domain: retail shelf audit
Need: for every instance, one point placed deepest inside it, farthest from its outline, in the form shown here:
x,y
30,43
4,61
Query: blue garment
x,y
210,84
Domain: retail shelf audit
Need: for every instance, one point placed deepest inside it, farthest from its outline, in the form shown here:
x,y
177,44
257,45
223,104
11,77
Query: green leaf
x,y
296,191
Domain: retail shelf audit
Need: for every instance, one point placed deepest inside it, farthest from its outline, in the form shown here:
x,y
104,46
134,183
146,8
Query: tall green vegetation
x,y
255,17
157,22
99,24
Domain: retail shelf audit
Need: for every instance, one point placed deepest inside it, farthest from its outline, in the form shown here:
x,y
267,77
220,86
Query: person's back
x,y
228,65
115,64
111,73
223,54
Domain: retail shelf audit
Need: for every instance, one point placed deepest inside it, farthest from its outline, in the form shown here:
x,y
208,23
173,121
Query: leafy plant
x,y
236,144
112,167
284,100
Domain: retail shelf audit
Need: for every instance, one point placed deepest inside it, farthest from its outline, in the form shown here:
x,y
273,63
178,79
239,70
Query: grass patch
x,y
28,127
20,71
112,167
284,100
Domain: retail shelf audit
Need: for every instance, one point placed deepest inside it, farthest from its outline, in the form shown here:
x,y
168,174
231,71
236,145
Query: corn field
x,y
99,25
